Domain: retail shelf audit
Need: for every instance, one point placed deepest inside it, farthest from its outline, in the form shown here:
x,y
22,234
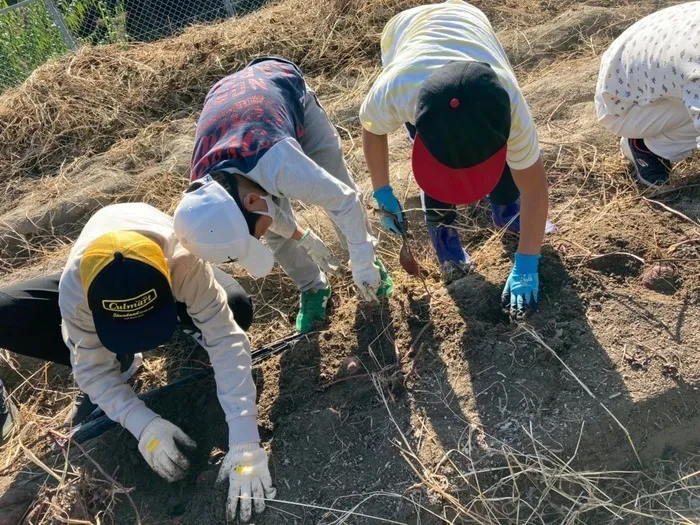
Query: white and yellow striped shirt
x,y
419,41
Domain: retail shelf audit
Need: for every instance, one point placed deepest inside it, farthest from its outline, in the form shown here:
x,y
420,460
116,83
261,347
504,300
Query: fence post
x,y
57,18
228,4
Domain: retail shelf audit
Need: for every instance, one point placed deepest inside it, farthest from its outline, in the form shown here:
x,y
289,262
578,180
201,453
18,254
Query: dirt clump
x,y
661,278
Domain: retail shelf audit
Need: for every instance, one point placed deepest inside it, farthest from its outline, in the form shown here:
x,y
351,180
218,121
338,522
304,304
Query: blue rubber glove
x,y
520,292
392,217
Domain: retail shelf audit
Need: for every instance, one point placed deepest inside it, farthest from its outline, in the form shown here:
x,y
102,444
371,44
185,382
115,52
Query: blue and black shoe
x,y
509,215
454,260
506,215
650,169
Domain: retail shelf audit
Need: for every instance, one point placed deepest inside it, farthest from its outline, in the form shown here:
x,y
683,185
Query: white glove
x,y
245,465
365,273
158,446
320,253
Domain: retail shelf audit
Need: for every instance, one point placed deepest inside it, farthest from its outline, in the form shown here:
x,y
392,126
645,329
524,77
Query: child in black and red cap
x,y
447,79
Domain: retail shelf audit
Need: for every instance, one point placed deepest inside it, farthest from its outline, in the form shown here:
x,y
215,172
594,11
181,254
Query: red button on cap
x,y
454,103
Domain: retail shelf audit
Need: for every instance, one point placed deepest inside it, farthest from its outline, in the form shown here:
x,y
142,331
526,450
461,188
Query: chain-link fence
x,y
32,31
28,37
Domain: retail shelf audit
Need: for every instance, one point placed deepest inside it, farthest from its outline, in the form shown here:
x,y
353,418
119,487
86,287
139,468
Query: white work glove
x,y
320,253
365,273
245,466
158,445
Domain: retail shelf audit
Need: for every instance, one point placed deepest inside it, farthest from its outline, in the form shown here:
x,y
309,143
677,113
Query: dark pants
x,y
30,319
438,212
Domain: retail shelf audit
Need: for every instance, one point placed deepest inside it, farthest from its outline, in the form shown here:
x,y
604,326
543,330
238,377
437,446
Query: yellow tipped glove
x,y
158,445
245,466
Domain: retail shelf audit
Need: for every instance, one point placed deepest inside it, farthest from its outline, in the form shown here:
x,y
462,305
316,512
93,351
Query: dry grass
x,y
82,104
81,495
505,485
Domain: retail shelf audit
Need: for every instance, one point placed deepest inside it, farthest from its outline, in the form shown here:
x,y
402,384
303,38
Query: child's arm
x,y
376,149
534,205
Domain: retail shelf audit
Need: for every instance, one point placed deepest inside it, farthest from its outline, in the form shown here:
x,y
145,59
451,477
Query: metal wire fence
x,y
33,31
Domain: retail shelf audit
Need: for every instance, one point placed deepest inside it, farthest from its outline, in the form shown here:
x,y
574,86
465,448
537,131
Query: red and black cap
x,y
463,124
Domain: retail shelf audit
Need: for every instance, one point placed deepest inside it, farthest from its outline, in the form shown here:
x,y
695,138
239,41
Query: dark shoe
x,y
84,409
453,271
447,245
651,170
509,215
454,260
506,215
8,414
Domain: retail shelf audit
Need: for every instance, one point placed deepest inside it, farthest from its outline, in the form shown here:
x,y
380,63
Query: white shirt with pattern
x,y
657,58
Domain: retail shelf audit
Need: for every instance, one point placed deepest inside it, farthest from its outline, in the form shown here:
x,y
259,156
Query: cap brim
x,y
138,335
259,261
456,186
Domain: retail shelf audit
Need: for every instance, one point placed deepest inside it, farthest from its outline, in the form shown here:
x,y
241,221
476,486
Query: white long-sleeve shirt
x,y
253,123
96,369
285,171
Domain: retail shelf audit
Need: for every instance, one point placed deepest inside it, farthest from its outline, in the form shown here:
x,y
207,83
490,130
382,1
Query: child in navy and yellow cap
x,y
127,285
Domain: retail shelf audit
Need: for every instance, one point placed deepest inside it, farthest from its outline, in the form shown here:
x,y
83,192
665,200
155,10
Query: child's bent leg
x,y
293,259
675,144
238,300
322,144
30,320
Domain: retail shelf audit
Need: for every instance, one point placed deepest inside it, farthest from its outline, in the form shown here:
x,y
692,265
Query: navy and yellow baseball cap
x,y
463,119
127,284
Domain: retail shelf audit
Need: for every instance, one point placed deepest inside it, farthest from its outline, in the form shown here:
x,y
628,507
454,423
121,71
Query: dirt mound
x,y
572,31
151,167
82,104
